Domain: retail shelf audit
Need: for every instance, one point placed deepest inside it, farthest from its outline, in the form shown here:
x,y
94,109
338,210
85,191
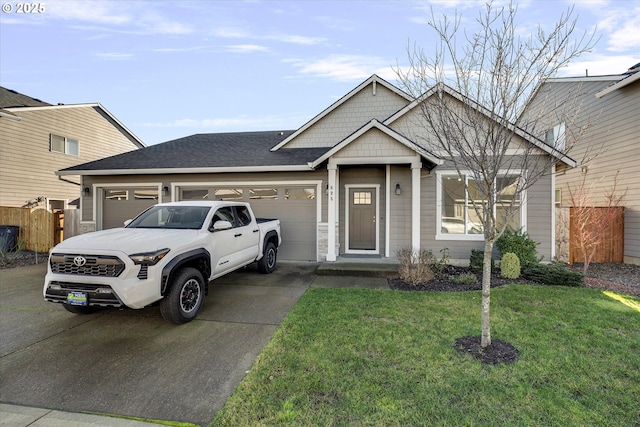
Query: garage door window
x,y
300,193
116,194
195,194
263,194
230,194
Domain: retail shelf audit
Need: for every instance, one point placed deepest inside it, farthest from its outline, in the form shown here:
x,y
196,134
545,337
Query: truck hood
x,y
127,240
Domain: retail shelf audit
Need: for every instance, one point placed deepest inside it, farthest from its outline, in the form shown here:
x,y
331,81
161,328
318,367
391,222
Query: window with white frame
x,y
458,216
60,144
555,137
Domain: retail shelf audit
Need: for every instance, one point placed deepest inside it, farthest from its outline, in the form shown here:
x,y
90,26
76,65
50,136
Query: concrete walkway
x,y
132,362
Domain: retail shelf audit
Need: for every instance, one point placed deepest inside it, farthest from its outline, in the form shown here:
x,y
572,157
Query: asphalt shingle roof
x,y
213,150
10,99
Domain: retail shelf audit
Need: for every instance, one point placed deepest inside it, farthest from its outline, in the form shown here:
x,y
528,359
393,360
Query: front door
x,y
362,219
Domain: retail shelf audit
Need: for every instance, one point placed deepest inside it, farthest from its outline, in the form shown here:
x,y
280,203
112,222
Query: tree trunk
x,y
485,340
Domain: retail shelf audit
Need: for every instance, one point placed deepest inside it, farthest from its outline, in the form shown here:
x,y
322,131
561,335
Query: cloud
x,y
345,67
598,65
115,56
102,12
240,33
247,48
244,122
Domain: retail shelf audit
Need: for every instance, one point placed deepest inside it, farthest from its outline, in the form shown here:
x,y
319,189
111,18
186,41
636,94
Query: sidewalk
x,y
23,416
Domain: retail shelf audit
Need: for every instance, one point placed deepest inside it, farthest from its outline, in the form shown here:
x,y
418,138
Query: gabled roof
x,y
374,79
13,110
441,87
375,124
632,75
206,153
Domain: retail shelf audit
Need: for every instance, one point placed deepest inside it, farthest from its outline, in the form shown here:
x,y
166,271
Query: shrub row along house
x,y
352,181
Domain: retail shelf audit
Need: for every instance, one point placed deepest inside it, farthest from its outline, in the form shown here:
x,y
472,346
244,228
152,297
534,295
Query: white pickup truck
x,y
169,253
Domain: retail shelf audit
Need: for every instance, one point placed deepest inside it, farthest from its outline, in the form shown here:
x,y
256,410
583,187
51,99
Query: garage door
x,y
295,207
119,205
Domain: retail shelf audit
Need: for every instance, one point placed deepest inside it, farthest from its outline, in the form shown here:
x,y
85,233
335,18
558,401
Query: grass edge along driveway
x,y
366,357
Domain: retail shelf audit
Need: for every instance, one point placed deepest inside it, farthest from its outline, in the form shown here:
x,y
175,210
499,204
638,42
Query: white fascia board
x,y
92,105
527,137
381,127
619,85
373,79
294,168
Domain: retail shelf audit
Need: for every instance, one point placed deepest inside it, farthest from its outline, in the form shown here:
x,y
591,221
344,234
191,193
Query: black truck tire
x,y
185,296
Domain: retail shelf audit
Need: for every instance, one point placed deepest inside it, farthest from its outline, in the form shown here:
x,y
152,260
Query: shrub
x,y
521,244
415,268
465,279
553,274
510,266
476,260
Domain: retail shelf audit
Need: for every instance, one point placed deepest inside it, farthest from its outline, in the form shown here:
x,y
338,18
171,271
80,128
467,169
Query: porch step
x,y
360,269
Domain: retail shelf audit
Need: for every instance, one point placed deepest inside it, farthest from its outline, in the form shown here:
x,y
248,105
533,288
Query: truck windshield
x,y
183,217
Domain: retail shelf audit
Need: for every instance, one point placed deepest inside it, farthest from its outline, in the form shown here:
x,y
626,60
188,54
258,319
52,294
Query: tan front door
x,y
362,219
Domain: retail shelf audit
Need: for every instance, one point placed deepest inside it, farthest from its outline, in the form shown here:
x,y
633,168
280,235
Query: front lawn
x,y
387,358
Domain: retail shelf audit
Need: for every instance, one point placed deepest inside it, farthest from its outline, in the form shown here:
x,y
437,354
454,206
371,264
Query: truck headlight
x,y
149,258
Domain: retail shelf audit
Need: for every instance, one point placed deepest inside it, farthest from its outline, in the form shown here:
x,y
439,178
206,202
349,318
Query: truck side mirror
x,y
222,225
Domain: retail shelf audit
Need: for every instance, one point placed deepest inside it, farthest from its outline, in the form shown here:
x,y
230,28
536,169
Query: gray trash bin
x,y
9,238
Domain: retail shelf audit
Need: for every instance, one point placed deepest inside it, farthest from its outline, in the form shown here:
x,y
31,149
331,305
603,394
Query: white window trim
x,y
472,237
66,145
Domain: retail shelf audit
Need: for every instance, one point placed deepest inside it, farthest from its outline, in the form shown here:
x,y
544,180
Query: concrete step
x,y
387,270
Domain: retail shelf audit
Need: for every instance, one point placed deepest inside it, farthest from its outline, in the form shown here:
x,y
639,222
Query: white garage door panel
x,y
297,224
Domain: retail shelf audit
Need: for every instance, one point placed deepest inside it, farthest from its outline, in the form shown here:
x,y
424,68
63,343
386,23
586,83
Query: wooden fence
x,y
611,236
40,230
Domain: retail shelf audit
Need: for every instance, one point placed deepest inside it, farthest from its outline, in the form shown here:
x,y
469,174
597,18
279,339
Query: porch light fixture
x,y
86,191
165,190
398,189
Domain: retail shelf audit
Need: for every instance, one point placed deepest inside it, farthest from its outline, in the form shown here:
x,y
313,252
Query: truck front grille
x,y
86,265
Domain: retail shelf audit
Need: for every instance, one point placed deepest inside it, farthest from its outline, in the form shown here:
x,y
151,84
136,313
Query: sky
x,y
168,69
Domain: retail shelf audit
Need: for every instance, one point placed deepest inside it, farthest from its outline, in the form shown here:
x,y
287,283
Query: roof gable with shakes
x,y
373,98
443,88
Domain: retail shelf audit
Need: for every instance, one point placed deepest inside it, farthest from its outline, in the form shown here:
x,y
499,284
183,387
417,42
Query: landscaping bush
x,y
521,244
464,279
415,268
476,259
510,266
553,274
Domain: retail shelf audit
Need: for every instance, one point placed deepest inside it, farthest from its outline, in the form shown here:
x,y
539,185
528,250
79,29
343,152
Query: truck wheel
x,y
267,263
80,309
185,296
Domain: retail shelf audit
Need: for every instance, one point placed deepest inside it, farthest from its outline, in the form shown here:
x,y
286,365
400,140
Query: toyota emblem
x,y
79,261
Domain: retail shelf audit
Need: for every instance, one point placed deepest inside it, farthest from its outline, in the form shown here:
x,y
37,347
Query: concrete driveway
x,y
132,362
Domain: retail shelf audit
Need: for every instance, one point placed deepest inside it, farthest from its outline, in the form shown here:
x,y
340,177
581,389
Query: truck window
x,y
223,214
244,217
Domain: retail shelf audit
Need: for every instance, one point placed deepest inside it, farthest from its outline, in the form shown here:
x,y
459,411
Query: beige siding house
x,y
37,139
609,148
352,182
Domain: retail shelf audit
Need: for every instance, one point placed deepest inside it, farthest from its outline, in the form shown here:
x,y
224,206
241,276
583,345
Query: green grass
x,y
386,358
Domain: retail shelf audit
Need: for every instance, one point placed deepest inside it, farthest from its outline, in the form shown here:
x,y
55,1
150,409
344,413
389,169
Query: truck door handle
x,y
256,231
237,235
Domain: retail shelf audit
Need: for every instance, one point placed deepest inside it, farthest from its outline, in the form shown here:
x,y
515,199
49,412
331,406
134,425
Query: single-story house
x,y
350,182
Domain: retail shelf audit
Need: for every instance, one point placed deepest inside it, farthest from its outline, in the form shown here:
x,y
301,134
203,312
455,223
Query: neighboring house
x,y
37,139
350,182
609,149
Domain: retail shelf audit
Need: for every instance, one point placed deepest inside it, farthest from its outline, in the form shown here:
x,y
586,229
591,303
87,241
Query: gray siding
x,y
350,116
610,146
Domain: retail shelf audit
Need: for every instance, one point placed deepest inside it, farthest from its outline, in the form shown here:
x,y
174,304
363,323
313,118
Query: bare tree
x,y
589,223
471,95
